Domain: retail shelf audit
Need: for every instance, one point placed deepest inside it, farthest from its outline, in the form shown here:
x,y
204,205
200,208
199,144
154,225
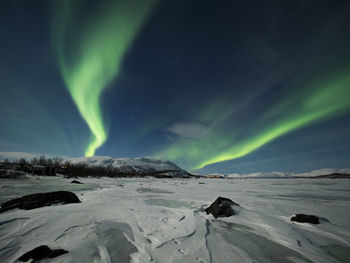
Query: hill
x,y
132,166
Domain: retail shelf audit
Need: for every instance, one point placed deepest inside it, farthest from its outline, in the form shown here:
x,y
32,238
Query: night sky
x,y
225,86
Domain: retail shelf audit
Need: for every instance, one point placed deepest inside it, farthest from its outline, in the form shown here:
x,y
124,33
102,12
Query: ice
x,y
153,190
157,220
167,203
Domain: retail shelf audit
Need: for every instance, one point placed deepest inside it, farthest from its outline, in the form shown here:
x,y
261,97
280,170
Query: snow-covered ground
x,y
158,220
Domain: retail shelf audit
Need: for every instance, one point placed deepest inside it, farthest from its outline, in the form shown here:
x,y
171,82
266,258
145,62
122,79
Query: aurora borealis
x,y
90,53
323,99
226,87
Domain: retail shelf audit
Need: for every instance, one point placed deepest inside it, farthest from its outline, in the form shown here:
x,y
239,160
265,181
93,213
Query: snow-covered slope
x,y
138,166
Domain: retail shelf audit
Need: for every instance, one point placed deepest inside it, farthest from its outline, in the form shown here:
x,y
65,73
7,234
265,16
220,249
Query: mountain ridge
x,y
133,166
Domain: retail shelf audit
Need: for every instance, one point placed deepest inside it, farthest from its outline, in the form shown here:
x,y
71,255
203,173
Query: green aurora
x,y
90,50
318,101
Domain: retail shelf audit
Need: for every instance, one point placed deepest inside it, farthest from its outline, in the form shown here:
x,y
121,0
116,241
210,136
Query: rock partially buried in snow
x,y
33,201
42,252
75,182
222,207
302,218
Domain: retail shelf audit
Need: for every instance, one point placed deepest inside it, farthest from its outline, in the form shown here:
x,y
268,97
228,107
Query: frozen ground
x,y
157,220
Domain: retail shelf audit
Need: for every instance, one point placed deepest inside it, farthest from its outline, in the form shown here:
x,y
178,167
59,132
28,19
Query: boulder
x,y
302,218
33,201
41,252
76,182
222,207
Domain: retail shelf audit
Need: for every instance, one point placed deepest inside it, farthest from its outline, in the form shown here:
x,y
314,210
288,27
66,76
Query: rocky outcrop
x,y
41,252
302,218
33,201
222,207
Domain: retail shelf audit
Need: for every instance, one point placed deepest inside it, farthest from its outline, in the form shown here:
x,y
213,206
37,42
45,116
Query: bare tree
x,y
34,160
22,161
57,161
42,160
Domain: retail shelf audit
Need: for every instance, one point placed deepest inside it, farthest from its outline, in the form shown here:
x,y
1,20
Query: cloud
x,y
188,130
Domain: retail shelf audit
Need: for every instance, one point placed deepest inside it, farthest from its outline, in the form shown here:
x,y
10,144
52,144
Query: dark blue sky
x,y
243,86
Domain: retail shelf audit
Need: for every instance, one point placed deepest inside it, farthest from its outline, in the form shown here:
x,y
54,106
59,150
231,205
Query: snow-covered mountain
x,y
137,166
313,173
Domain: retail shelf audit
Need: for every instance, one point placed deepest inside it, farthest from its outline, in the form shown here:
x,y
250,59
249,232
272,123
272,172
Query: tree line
x,y
80,169
42,161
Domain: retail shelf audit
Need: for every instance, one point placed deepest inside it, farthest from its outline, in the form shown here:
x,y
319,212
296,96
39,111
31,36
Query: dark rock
x,y
42,252
75,182
33,201
222,207
332,176
302,218
201,183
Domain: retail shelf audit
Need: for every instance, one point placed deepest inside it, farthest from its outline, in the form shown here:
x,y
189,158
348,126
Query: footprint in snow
x,y
201,260
181,251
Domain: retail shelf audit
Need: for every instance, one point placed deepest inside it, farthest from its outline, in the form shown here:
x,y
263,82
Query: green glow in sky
x,y
90,51
318,101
